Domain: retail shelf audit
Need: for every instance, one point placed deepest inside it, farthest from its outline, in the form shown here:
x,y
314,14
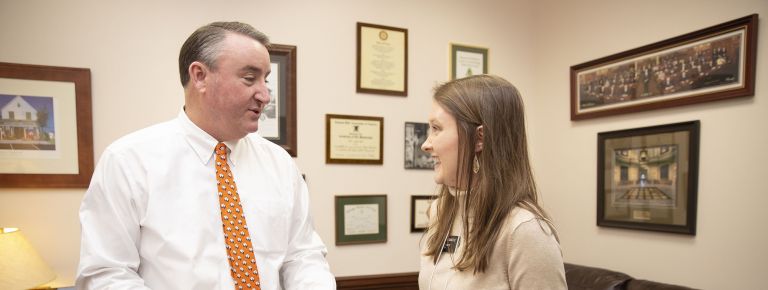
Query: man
x,y
163,211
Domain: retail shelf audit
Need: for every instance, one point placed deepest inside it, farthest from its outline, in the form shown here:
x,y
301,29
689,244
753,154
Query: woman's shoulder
x,y
523,222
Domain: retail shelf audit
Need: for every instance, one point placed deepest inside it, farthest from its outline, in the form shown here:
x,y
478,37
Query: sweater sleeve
x,y
535,258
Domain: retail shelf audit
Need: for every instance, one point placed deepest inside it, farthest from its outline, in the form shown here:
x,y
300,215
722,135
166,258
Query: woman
x,y
487,229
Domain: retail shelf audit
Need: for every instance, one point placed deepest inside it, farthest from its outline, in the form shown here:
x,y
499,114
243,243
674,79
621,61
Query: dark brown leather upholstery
x,y
581,277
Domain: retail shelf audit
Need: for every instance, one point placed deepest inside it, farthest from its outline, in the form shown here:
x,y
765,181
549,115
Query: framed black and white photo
x,y
647,178
415,135
278,120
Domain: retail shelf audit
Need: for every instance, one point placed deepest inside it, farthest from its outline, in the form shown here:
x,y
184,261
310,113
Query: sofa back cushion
x,y
581,277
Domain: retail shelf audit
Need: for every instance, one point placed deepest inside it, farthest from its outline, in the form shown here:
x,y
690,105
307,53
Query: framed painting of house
x,y
647,178
46,137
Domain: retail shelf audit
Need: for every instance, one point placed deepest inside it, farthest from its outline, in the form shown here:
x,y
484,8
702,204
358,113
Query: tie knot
x,y
220,149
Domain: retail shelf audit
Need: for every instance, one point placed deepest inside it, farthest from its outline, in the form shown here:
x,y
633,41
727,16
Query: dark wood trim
x,y
395,281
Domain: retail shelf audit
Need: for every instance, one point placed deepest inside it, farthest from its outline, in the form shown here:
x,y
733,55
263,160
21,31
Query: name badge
x,y
451,243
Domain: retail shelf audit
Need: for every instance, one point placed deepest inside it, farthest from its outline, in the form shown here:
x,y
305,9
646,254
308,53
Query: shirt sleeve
x,y
536,261
305,266
109,220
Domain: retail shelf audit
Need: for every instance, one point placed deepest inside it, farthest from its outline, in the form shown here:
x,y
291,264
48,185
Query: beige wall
x,y
728,251
131,49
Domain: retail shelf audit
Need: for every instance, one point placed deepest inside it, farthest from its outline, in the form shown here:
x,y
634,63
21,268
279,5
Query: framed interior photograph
x,y
415,135
419,206
361,219
46,135
647,178
278,120
354,139
710,64
467,60
382,59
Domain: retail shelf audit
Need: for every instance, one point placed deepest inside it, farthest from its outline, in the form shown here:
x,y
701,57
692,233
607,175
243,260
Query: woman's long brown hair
x,y
505,179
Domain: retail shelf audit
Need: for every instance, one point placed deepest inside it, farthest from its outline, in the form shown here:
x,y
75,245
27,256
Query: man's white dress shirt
x,y
150,218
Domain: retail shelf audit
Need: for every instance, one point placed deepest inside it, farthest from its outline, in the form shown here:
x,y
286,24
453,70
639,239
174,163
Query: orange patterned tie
x,y
242,262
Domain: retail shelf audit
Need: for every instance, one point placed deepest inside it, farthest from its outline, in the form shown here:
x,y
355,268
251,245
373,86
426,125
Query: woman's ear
x,y
197,73
479,135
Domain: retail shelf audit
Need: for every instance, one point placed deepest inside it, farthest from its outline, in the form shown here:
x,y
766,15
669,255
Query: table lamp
x,y
20,265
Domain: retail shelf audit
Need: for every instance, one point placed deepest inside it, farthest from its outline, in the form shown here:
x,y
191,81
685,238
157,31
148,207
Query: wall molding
x,y
395,281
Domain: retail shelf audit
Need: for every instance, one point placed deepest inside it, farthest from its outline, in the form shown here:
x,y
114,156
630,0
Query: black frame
x,y
676,144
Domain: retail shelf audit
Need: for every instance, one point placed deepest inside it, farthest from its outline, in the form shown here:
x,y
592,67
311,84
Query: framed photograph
x,y
415,135
354,139
278,121
382,60
711,64
419,206
647,178
46,135
361,219
468,60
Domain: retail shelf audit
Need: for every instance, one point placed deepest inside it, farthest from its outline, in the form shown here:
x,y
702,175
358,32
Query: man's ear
x,y
479,135
197,73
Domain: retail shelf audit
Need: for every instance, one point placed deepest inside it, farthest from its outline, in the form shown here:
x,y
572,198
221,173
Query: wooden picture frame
x,y
419,206
647,178
278,122
360,219
354,139
467,60
710,64
46,134
382,59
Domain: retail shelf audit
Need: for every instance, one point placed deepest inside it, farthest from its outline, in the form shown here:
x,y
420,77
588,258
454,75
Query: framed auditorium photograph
x,y
714,63
647,178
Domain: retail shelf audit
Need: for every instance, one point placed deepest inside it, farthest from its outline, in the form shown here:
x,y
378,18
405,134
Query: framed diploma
x,y
361,219
382,60
468,60
278,121
419,206
354,139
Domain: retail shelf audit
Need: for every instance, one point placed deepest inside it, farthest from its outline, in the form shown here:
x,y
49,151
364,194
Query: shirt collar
x,y
203,143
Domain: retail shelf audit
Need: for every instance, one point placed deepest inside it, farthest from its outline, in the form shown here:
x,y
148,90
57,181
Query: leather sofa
x,y
581,277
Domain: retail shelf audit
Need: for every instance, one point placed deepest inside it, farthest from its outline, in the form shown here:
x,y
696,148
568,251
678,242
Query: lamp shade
x,y
20,265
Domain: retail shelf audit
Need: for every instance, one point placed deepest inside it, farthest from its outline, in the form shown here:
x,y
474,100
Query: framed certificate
x,y
361,219
382,60
468,60
419,206
354,139
278,121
